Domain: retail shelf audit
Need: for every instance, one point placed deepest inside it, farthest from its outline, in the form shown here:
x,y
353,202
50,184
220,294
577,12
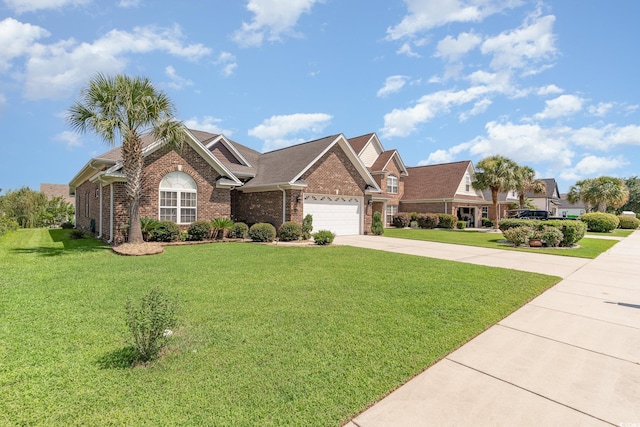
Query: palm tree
x,y
125,108
526,182
599,193
498,174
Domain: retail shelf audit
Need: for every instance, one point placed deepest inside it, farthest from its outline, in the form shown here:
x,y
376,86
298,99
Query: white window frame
x,y
392,184
389,212
467,182
183,193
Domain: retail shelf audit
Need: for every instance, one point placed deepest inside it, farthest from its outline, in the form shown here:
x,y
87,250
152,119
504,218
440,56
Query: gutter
x,y
284,203
110,214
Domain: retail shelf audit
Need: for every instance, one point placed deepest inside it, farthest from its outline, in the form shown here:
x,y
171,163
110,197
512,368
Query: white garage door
x,y
339,214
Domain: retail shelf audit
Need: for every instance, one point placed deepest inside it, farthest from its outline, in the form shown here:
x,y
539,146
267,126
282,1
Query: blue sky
x,y
552,85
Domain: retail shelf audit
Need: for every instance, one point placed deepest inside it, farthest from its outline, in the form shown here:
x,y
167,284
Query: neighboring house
x,y
567,209
444,188
387,169
549,200
212,176
506,201
57,190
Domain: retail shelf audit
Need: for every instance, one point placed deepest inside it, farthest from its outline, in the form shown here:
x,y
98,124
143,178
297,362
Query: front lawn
x,y
268,335
588,248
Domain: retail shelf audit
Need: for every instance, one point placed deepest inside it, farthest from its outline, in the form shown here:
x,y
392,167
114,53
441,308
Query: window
x,y
178,198
391,211
392,184
467,182
485,212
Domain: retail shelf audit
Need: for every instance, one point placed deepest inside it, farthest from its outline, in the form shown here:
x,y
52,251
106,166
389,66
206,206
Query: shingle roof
x,y
434,181
358,142
549,193
57,190
564,203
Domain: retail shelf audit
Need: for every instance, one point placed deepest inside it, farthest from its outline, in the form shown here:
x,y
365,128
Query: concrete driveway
x,y
569,357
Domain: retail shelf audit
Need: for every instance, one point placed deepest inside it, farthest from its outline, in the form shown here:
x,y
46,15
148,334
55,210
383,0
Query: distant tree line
x,y
32,209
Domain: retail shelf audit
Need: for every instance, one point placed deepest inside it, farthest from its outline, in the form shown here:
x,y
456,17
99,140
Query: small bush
x,y
414,224
377,229
600,222
486,222
427,220
262,232
413,216
628,222
447,221
199,230
77,234
517,235
323,237
68,225
7,225
572,231
219,226
147,225
289,231
149,321
307,226
240,230
507,223
401,220
551,236
166,231
461,225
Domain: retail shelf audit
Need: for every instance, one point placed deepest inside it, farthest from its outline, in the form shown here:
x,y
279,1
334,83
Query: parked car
x,y
533,214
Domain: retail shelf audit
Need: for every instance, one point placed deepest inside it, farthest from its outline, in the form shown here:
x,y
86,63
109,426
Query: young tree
x,y
599,193
25,206
498,174
125,108
526,182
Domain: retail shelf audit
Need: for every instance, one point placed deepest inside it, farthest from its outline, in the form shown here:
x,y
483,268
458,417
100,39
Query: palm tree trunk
x,y
132,168
494,199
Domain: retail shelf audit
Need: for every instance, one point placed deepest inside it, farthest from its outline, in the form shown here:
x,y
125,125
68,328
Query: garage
x,y
339,214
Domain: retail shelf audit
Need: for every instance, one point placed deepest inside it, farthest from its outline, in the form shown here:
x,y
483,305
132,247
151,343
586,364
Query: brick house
x,y
212,176
444,188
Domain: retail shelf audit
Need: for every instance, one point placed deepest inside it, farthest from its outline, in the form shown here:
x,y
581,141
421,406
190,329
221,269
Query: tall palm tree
x,y
526,182
600,193
498,174
123,108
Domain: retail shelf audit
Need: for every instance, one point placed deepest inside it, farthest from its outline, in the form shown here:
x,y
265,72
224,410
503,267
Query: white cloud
x,y
20,6
478,108
406,49
392,84
601,109
17,39
272,18
228,63
549,90
532,43
279,131
207,124
591,165
453,49
562,106
126,4
70,139
57,69
437,157
176,82
606,137
425,15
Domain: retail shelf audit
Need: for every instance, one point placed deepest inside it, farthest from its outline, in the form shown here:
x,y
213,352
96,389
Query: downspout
x,y
284,204
110,213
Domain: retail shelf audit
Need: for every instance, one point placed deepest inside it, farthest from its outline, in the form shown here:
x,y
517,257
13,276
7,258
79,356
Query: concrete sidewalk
x,y
569,357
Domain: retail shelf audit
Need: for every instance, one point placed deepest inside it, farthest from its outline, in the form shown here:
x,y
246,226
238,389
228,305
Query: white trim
x,y
111,203
230,146
332,197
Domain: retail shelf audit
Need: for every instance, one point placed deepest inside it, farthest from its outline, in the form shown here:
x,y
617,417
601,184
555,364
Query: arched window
x,y
392,184
178,198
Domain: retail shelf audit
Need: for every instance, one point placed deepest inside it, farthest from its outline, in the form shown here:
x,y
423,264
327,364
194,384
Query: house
x,y
547,201
506,201
212,176
57,190
566,209
444,188
387,169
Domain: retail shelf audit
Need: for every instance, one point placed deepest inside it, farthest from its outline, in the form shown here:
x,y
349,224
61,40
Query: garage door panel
x,y
339,214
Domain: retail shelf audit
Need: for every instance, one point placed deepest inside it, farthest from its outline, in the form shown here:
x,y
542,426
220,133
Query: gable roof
x,y
436,181
57,190
551,192
383,160
287,165
359,142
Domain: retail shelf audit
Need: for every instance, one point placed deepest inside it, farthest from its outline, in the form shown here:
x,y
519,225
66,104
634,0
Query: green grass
x,y
615,233
588,248
268,335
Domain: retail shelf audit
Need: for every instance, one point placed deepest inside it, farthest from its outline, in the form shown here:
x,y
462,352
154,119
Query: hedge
x,y
628,222
447,220
600,222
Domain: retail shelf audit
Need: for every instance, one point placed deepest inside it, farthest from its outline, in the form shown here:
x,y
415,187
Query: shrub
x,y
7,224
262,232
199,230
166,231
77,234
68,225
461,225
551,236
377,229
600,222
427,220
507,223
628,222
307,226
401,220
289,231
147,225
240,230
413,216
323,237
219,226
572,231
486,222
517,235
413,224
448,221
149,323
